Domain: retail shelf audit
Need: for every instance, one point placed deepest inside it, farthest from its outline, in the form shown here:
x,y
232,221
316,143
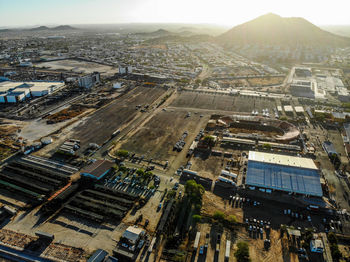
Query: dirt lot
x,y
207,167
212,203
8,137
265,81
99,127
256,246
188,99
67,113
149,211
78,66
157,137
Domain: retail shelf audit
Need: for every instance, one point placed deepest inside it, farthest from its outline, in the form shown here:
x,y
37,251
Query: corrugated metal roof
x,y
268,174
284,160
98,168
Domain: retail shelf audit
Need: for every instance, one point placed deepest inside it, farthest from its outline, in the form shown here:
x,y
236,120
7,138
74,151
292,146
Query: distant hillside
x,y
158,33
343,30
180,39
40,28
63,27
272,29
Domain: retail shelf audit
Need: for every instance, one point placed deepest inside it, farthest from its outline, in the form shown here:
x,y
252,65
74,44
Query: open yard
x,y
265,81
78,66
188,99
157,137
99,127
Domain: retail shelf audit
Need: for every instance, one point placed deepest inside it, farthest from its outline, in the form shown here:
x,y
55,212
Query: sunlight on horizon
x,y
225,12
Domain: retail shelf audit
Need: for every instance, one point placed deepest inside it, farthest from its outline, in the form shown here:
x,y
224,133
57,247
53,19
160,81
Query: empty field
x,y
78,66
158,136
246,104
99,127
265,81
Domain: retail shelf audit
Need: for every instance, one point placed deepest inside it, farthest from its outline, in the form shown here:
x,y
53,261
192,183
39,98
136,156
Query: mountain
x,y
63,27
271,29
40,28
45,28
343,30
158,33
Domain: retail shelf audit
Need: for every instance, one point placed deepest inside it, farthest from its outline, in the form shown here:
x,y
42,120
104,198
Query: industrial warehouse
x,y
284,173
13,92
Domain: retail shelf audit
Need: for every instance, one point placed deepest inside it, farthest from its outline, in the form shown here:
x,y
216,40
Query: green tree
x,y
196,218
194,191
140,172
336,254
232,219
122,153
147,175
198,81
267,146
218,215
283,118
242,252
122,168
209,140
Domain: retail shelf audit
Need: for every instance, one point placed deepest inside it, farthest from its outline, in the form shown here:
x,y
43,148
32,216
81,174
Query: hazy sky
x,y
226,12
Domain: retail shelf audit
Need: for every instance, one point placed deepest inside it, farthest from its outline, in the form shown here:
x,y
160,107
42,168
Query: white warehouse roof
x,y
284,160
299,109
288,108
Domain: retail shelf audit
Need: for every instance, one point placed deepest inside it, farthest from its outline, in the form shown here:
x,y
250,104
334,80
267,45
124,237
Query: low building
x,y
288,110
316,246
303,89
117,85
283,173
299,110
14,97
133,234
88,81
12,92
98,169
98,256
302,72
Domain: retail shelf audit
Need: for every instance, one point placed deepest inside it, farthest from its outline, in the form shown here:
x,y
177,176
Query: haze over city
x,y
225,12
188,130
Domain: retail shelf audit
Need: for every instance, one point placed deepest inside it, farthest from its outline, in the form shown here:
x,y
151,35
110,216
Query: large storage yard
x,y
99,127
157,137
200,100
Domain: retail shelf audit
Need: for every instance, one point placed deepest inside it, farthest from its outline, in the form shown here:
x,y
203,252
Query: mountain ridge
x,y
272,29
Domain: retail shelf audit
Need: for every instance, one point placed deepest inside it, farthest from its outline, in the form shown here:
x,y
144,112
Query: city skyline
x,y
20,13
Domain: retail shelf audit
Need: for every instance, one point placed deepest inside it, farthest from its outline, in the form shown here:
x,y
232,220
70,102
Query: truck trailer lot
x,y
99,127
222,102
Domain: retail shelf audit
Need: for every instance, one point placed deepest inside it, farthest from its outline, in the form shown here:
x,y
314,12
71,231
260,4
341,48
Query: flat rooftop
x,y
97,169
284,160
33,85
284,173
299,109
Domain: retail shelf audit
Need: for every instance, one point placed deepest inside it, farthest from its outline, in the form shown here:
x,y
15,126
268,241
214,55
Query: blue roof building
x,y
283,173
